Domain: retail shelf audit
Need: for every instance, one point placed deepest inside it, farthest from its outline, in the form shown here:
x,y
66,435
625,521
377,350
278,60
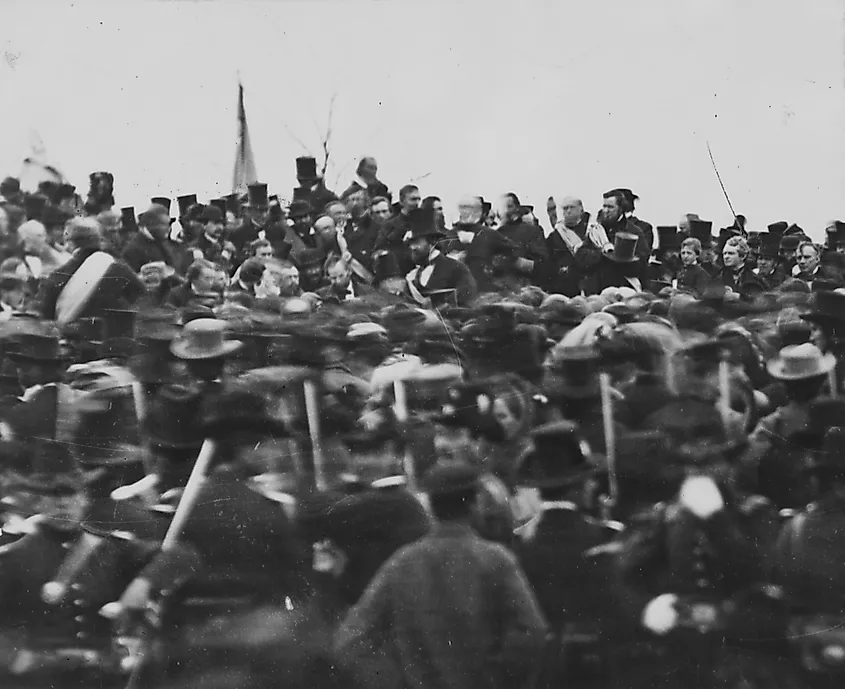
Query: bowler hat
x,y
306,169
211,213
451,478
797,362
175,418
257,196
299,209
702,230
185,203
204,338
624,248
790,242
161,201
558,457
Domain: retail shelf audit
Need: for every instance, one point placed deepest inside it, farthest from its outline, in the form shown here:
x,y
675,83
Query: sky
x,y
537,97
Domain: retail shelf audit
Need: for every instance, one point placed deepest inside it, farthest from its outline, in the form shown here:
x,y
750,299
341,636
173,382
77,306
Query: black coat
x,y
141,250
693,279
119,288
449,274
249,232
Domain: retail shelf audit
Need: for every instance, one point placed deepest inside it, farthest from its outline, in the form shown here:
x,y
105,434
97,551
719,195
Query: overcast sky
x,y
540,98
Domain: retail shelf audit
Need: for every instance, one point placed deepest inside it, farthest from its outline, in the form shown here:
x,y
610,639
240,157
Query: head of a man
x,y
470,210
420,249
213,222
32,236
83,233
368,169
326,230
262,250
202,276
357,204
612,207
690,251
156,221
339,274
734,253
380,210
808,258
409,198
338,213
284,277
510,207
573,211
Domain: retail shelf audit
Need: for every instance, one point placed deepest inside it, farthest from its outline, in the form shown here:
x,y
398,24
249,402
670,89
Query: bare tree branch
x,y
328,137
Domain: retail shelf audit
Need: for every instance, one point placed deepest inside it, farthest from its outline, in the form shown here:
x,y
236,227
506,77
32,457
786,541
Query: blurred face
x,y
338,213
437,207
509,209
730,256
287,280
313,275
683,224
326,230
573,210
380,212
259,216
63,512
264,253
34,241
394,286
766,264
214,229
788,254
158,225
469,211
808,259
369,169
302,224
610,210
339,277
206,280
14,296
152,279
420,250
411,201
707,255
688,256
356,204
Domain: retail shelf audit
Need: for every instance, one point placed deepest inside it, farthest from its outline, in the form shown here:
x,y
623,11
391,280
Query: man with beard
x,y
367,180
485,252
613,219
210,245
341,287
358,235
630,199
391,235
436,276
301,236
312,187
769,267
257,224
531,251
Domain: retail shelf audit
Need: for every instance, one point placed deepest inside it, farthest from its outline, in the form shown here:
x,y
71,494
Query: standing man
x,y
312,187
574,247
367,180
257,223
391,236
736,276
531,251
152,243
451,610
613,219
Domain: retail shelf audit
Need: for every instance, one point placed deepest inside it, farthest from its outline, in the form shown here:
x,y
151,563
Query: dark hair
x,y
379,199
513,197
407,189
429,201
453,506
361,164
621,201
257,244
332,261
196,267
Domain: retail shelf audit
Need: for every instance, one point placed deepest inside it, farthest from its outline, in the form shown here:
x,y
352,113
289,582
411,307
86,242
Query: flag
x,y
244,160
36,167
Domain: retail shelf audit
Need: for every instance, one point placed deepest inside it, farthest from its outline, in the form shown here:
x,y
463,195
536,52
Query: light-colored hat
x,y
797,362
204,338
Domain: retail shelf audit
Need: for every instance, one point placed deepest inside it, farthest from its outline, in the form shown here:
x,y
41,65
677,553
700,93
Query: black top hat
x,y
422,223
162,201
558,458
257,193
624,248
573,372
219,204
175,418
185,202
828,307
38,347
667,238
299,209
128,220
702,230
778,228
769,245
306,169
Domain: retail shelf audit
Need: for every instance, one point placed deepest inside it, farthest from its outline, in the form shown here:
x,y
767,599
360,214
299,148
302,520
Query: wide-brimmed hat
x,y
558,458
624,248
212,213
798,362
204,338
299,209
778,228
39,347
828,307
175,418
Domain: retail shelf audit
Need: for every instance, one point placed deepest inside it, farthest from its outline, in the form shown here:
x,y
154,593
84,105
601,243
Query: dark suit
x,y
483,253
142,249
373,189
274,233
119,288
693,279
328,294
448,274
318,196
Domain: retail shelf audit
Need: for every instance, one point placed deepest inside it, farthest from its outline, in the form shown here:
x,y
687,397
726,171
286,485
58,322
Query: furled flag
x,y
244,160
36,167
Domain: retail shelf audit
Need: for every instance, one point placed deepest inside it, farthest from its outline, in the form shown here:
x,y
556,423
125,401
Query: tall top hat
x,y
668,238
306,169
624,248
162,201
128,220
702,230
778,228
422,224
185,202
220,204
257,196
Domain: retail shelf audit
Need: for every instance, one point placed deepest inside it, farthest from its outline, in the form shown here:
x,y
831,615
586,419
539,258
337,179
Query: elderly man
x,y
485,252
341,287
531,250
152,242
40,258
574,245
739,280
613,218
367,180
91,282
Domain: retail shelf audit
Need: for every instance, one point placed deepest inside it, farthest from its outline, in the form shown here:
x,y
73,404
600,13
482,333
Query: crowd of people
x,y
336,442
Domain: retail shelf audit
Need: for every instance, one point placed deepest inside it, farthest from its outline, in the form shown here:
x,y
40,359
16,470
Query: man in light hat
x,y
449,580
204,347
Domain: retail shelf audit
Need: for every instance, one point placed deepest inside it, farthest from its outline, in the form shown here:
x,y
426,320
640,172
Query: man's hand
x,y
551,210
660,615
137,595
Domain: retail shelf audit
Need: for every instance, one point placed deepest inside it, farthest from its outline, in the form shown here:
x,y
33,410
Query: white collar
x,y
560,505
362,183
434,253
350,290
212,240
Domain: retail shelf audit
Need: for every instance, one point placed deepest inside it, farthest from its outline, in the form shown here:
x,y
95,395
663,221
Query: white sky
x,y
534,97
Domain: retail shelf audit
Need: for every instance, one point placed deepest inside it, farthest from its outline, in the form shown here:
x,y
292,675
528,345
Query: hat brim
x,y
23,356
183,350
611,257
823,318
825,365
